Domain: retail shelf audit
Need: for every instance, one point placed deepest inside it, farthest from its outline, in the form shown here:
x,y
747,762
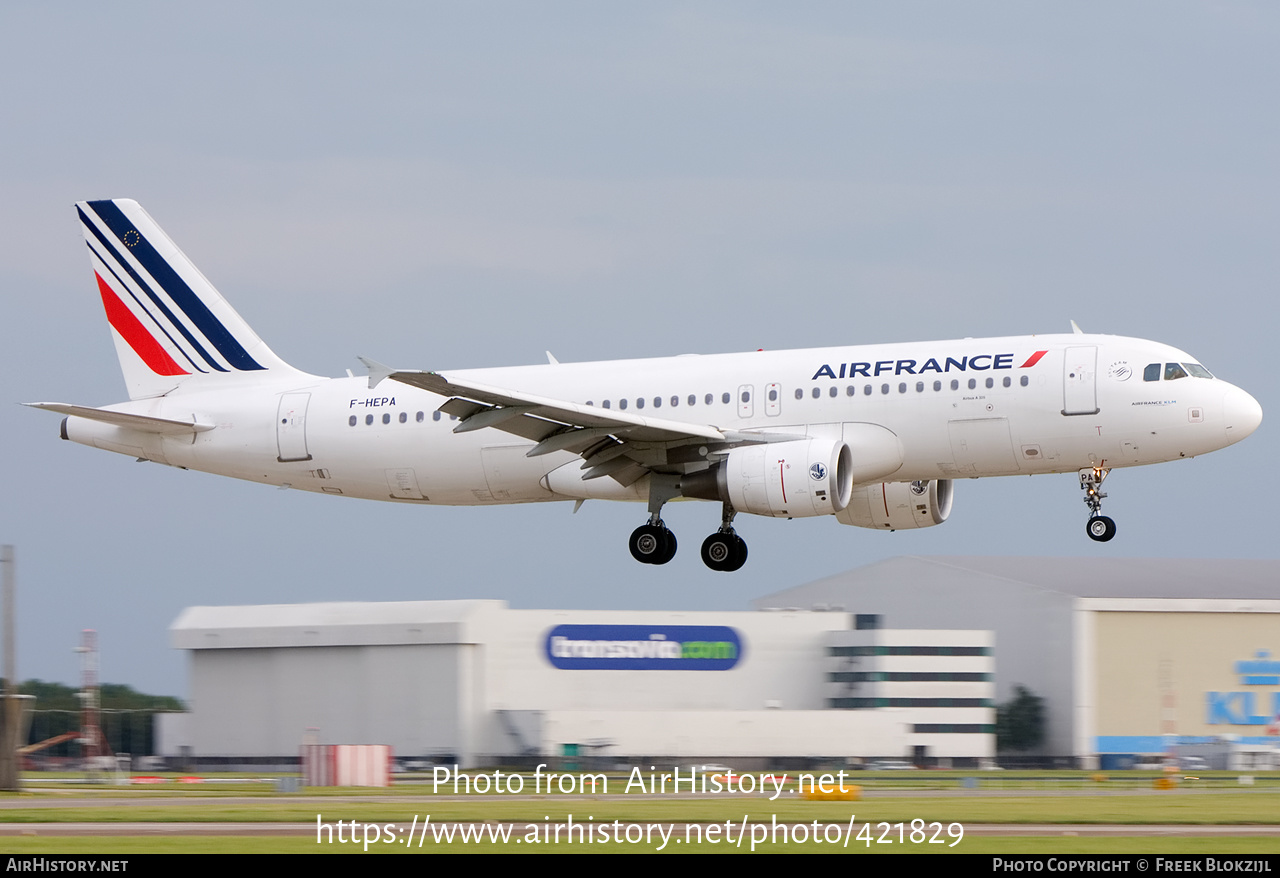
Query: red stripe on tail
x,y
132,331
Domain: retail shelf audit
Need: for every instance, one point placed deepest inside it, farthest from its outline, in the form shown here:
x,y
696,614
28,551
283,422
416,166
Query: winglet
x,y
377,371
1076,329
551,359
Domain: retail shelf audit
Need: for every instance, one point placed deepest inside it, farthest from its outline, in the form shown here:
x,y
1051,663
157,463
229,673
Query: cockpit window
x,y
1151,373
1197,370
1172,371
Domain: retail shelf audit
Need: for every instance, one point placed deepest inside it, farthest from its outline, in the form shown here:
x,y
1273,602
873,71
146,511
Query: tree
x,y
1020,721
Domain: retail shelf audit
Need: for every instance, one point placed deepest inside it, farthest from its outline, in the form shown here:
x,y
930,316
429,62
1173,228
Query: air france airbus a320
x,y
872,435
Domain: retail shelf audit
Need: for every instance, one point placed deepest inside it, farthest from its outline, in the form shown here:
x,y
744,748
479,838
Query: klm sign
x,y
1248,707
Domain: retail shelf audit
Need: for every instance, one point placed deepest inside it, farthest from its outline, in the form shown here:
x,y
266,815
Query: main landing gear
x,y
725,550
1099,527
654,543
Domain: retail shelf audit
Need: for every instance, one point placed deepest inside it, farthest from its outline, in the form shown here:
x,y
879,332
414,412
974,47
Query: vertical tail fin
x,y
169,323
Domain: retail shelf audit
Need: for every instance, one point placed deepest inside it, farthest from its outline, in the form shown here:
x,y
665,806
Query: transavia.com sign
x,y
643,647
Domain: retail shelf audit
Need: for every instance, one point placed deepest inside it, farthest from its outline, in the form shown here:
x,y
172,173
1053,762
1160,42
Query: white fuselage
x,y
965,408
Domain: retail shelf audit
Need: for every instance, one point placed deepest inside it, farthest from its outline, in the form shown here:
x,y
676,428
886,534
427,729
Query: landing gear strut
x,y
724,550
1099,527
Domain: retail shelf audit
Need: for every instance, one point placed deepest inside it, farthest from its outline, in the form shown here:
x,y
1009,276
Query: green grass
x,y
1174,806
113,846
1065,798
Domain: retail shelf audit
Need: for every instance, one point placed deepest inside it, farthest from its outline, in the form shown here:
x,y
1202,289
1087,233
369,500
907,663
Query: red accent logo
x,y
133,332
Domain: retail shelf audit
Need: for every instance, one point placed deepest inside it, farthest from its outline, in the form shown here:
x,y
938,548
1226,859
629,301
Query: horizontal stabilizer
x,y
143,423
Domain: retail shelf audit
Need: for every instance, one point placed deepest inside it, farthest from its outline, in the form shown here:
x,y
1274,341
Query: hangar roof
x,y
1190,578
327,624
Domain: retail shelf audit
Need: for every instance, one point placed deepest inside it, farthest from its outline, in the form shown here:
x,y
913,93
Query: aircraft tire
x,y
670,551
1100,528
724,551
739,554
652,545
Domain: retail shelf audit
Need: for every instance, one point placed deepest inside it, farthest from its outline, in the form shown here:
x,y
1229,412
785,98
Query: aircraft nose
x,y
1242,414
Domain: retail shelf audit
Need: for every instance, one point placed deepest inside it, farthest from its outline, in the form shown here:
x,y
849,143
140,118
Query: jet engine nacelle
x,y
796,479
898,505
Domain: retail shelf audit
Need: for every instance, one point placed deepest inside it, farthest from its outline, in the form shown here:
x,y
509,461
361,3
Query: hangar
x,y
477,682
1131,656
905,658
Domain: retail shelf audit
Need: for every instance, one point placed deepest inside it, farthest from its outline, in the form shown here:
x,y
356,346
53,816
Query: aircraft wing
x,y
612,443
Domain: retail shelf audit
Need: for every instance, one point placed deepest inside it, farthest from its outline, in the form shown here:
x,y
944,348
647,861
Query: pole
x,y
11,724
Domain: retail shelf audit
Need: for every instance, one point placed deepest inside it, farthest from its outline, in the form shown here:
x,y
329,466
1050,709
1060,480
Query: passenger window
x,y
404,417
937,385
1024,381
773,394
725,399
991,382
884,388
351,421
902,387
816,393
708,399
1151,373
386,418
675,401
833,391
368,419
640,402
955,385
622,404
919,387
435,416
420,416
1172,372
866,390
850,390
657,402
799,393
1007,381
973,382
746,396
604,404
693,400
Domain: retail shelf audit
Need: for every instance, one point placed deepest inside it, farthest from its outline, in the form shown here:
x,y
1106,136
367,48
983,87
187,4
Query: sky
x,y
447,186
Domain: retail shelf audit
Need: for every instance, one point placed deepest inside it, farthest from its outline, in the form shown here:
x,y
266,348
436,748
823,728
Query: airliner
x,y
873,435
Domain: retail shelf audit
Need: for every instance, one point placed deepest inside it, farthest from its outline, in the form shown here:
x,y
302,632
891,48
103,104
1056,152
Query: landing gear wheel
x,y
652,544
671,548
1100,528
724,551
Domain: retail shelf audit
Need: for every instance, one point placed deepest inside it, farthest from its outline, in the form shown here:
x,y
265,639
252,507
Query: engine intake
x,y
797,479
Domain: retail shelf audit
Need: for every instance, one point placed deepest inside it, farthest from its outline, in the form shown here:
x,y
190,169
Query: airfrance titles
x,y
978,363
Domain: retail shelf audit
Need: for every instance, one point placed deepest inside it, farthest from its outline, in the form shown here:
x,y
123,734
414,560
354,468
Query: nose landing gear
x,y
1099,527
